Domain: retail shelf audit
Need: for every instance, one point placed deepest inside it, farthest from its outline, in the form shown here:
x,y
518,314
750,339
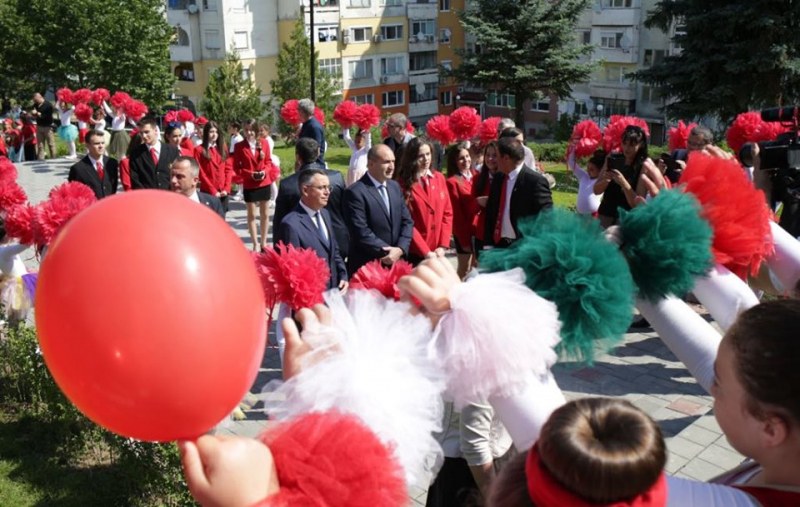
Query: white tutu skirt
x,y
68,133
17,294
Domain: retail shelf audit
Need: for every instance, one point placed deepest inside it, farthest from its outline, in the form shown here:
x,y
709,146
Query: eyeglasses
x,y
321,188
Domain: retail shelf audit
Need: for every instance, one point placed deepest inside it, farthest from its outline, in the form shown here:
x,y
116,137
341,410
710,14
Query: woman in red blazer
x,y
215,173
425,191
460,176
252,161
480,191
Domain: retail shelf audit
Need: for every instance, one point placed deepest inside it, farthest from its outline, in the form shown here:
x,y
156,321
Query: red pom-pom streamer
x,y
19,223
438,129
488,129
119,100
743,129
8,171
295,276
171,117
83,112
201,121
344,113
737,212
64,95
612,135
185,115
679,135
135,109
11,194
319,114
367,116
99,96
65,201
374,276
587,136
82,96
768,131
465,122
289,112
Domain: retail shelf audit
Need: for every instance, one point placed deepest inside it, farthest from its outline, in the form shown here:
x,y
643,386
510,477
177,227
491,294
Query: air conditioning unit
x,y
384,79
377,38
430,38
412,39
346,39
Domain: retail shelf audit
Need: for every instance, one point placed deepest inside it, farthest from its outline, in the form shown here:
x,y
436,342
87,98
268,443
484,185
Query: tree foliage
x,y
229,95
527,48
114,44
736,55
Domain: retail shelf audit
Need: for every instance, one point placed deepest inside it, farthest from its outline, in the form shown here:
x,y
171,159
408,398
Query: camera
x,y
782,153
616,161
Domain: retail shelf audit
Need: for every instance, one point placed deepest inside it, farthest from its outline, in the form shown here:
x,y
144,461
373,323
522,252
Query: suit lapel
x,y
373,192
309,224
420,194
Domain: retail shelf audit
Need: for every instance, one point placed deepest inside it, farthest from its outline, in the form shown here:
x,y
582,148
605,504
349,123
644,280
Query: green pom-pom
x,y
567,260
667,244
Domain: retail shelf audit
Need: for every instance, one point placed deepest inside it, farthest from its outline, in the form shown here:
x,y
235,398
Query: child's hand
x,y
431,283
228,471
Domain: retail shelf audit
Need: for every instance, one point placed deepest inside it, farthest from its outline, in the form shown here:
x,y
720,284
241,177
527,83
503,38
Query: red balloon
x,y
150,315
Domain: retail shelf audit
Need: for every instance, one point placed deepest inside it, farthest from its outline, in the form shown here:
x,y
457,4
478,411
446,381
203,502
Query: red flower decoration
x,y
488,129
367,116
679,135
295,276
11,194
8,171
83,112
185,115
82,96
135,109
587,136
465,122
201,121
319,114
289,112
344,113
99,96
119,100
373,275
737,212
65,201
438,129
612,136
64,95
19,222
171,116
743,129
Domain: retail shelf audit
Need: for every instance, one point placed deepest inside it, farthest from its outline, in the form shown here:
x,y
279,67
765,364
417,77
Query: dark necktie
x,y
321,228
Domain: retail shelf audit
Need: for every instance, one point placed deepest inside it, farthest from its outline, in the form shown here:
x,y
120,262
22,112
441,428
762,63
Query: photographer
x,y
675,162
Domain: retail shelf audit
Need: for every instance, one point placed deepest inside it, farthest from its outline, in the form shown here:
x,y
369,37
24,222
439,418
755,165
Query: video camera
x,y
782,153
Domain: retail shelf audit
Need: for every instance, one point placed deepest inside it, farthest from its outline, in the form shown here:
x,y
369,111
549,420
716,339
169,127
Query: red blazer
x,y
125,173
480,218
215,174
432,214
245,163
465,208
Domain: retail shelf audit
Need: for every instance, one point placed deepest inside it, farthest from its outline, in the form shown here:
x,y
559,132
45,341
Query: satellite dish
x,y
447,32
625,43
421,35
192,8
420,88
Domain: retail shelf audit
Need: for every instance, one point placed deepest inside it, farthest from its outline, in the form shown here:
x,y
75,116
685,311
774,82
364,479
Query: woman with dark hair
x,y
425,192
460,176
480,191
125,163
215,173
626,178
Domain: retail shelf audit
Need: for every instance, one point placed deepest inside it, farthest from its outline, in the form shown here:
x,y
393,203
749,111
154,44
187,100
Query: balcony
x,y
423,43
422,10
180,53
388,79
426,108
617,55
617,17
619,91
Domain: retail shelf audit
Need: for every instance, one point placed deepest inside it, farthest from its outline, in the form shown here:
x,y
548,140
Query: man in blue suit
x,y
311,127
309,225
376,213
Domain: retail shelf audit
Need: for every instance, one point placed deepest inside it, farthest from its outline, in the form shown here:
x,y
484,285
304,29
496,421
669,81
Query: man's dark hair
x,y
147,120
235,124
511,132
93,133
307,149
306,175
511,147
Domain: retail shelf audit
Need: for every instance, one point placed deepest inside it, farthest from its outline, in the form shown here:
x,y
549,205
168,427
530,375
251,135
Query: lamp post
x,y
312,66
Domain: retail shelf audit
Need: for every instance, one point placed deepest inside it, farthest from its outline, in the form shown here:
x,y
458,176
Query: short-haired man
x,y
96,170
508,123
151,160
311,126
43,112
520,192
699,138
185,178
397,125
377,217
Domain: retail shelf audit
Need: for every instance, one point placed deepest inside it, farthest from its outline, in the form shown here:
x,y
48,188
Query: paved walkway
x,y
641,370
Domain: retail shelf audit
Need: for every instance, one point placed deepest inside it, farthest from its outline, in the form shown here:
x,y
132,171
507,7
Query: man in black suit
x,y
306,152
96,170
309,225
520,192
311,127
376,213
150,162
184,179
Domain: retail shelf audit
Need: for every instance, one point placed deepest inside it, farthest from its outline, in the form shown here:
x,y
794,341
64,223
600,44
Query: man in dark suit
x,y
520,192
150,162
376,213
185,178
96,170
311,127
308,225
306,152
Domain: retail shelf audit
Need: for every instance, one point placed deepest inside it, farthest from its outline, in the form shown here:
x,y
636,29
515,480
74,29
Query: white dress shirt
x,y
507,230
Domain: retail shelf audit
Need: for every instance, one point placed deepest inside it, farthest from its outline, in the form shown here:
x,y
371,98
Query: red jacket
x,y
245,164
432,214
215,174
125,173
465,208
480,217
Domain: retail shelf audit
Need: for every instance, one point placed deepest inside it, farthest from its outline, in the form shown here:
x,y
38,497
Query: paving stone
x,y
701,470
684,447
721,457
687,407
700,435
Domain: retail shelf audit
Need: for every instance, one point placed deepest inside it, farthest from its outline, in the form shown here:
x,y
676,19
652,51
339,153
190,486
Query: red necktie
x,y
498,228
100,172
154,154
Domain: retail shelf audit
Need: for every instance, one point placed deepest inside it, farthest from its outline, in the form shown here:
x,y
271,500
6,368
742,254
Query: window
x,y
424,92
444,35
614,106
212,39
246,73
585,36
651,95
359,3
392,65
444,5
179,4
540,105
611,40
425,60
326,3
363,99
361,69
618,3
181,38
501,99
653,57
423,27
332,66
446,98
391,3
581,108
185,71
240,40
392,99
392,32
327,33
209,5
238,5
473,48
363,34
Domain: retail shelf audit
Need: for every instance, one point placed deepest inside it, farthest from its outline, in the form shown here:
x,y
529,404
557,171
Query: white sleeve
x,y
785,262
530,160
368,139
724,295
107,109
348,139
688,493
693,340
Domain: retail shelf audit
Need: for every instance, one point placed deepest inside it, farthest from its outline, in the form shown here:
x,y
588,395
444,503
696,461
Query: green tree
x,y
294,76
736,55
527,48
115,44
230,95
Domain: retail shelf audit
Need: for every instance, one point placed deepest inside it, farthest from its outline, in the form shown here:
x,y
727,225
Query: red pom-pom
x,y
384,131
295,276
135,109
8,171
119,100
65,201
679,135
367,116
319,114
374,276
333,459
65,95
411,128
344,113
171,117
587,136
488,129
439,130
743,129
99,96
465,122
290,113
83,112
82,96
19,223
201,121
185,115
612,135
737,212
768,131
11,194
